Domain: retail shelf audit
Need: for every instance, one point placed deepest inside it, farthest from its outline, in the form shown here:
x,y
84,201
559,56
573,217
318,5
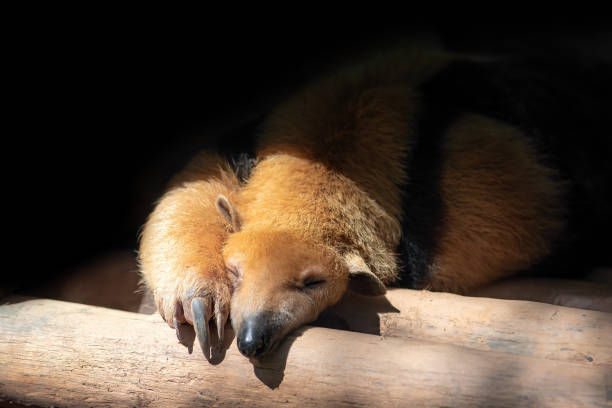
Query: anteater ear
x,y
361,278
226,209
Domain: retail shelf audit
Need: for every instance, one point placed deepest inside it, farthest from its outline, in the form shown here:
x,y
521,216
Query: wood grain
x,y
67,354
510,326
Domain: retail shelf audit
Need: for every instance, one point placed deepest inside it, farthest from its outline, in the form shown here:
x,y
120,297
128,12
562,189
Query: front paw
x,y
202,300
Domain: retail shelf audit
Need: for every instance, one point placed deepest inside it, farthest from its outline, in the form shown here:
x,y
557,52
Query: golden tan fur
x,y
275,264
180,246
311,201
502,207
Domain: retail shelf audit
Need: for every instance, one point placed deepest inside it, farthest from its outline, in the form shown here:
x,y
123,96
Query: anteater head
x,y
283,280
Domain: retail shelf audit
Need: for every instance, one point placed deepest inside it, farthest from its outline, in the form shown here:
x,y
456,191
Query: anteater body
x,y
415,168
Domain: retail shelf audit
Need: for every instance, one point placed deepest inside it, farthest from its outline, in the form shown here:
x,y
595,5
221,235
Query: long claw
x,y
176,320
222,314
221,320
176,329
160,307
199,310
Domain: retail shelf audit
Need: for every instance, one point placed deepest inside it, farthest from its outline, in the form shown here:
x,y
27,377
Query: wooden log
x,y
510,326
67,354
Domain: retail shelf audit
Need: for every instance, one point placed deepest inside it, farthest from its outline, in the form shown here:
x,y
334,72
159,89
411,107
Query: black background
x,y
104,108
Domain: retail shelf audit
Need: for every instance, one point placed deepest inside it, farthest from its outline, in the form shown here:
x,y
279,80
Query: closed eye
x,y
313,283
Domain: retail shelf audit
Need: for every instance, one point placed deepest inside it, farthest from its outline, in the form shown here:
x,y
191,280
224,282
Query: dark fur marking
x,y
422,205
242,165
238,148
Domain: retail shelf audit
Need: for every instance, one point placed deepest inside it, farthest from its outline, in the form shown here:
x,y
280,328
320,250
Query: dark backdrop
x,y
104,111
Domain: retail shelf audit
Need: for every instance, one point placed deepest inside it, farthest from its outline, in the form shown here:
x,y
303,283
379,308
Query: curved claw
x,y
177,320
176,329
222,316
199,309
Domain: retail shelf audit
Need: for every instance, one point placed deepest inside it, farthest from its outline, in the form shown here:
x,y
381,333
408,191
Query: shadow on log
x,y
515,327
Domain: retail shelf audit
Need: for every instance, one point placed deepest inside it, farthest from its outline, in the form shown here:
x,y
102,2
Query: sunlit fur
x,y
299,215
272,267
181,243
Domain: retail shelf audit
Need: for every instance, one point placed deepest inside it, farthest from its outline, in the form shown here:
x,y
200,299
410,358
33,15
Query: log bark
x,y
67,354
510,326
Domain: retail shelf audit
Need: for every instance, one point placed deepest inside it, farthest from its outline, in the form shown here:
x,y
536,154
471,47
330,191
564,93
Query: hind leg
x,y
180,249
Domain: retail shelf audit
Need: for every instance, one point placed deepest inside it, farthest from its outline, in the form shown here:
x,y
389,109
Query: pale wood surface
x,y
515,327
66,354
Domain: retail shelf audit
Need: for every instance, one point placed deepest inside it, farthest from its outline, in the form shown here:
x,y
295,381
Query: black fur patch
x,y
238,148
422,205
242,164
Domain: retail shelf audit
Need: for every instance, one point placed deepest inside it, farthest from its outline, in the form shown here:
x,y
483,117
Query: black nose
x,y
252,338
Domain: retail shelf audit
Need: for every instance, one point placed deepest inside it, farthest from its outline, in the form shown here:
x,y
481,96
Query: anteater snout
x,y
253,337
